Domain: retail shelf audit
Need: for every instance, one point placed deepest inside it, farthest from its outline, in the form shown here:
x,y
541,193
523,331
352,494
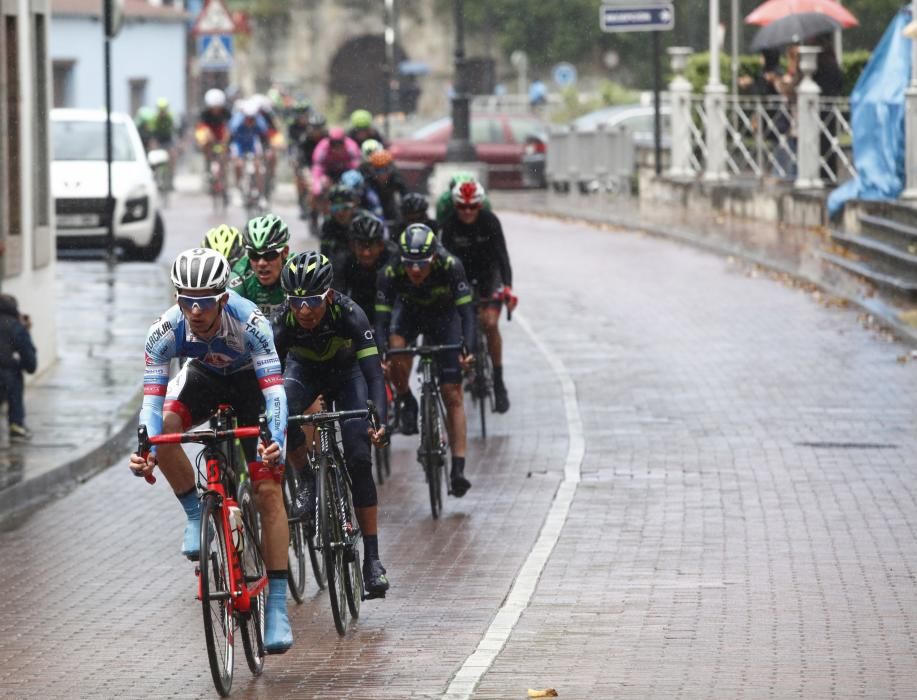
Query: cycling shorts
x,y
438,328
238,149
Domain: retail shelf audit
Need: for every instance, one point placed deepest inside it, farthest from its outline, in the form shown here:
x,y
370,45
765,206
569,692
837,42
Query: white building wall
x,y
33,287
154,50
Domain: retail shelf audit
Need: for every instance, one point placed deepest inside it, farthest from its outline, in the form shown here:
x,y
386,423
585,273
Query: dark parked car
x,y
501,140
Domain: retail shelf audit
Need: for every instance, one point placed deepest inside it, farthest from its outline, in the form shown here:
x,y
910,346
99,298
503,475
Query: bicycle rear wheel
x,y
430,451
296,550
216,598
331,537
253,570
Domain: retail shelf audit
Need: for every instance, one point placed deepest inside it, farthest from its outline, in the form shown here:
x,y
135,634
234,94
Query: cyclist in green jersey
x,y
257,275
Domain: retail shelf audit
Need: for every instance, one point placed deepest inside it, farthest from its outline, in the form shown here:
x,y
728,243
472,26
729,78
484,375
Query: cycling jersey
x,y
215,121
331,163
342,338
163,127
302,145
370,202
386,191
245,282
359,282
440,295
246,138
361,135
243,342
482,249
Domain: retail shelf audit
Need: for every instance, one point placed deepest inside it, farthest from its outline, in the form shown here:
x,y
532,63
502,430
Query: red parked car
x,y
502,142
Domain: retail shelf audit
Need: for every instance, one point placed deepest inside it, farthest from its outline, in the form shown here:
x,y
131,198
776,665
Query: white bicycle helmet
x,y
200,269
215,97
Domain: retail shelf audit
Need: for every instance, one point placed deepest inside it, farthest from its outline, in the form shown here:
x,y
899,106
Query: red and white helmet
x,y
468,193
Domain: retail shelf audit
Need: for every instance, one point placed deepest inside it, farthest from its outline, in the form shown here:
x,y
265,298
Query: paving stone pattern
x,y
744,527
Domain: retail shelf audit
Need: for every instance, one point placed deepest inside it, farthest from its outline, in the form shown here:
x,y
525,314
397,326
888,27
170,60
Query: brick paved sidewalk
x,y
81,409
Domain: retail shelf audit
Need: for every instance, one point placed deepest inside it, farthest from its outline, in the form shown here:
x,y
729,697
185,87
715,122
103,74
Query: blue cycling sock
x,y
277,588
191,503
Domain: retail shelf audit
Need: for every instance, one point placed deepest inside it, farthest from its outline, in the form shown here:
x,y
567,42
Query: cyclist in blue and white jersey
x,y
247,128
233,360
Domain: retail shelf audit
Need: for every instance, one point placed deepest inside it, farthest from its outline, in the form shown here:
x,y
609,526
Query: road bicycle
x,y
338,530
480,382
382,456
216,178
251,192
232,577
433,436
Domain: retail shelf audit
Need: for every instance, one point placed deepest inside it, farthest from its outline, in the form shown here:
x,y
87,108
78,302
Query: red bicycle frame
x,y
241,591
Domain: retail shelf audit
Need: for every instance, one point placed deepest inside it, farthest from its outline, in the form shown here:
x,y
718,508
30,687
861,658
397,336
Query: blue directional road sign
x,y
214,51
637,18
564,74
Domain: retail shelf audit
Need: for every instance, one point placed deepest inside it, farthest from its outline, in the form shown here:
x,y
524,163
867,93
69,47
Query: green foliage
x,y
852,64
574,104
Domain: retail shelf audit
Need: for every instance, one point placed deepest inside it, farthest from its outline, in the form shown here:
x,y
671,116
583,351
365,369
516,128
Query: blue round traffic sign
x,y
564,74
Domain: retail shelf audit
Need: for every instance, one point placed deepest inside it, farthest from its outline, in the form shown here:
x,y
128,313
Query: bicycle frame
x,y
217,481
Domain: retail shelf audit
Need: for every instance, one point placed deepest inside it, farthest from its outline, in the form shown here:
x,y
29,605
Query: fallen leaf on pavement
x,y
548,693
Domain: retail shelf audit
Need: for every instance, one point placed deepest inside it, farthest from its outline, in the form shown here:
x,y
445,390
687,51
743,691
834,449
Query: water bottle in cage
x,y
235,523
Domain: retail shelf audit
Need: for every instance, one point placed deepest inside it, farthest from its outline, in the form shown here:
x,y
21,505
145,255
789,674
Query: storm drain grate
x,y
848,445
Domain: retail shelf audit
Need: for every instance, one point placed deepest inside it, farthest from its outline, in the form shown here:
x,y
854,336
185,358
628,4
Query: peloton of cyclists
x,y
232,360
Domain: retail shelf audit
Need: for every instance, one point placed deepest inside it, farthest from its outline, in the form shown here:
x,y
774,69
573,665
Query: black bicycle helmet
x,y
339,194
418,242
414,203
268,232
317,120
307,274
366,227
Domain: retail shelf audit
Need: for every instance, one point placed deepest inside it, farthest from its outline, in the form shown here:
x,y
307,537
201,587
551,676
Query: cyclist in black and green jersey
x,y
369,252
330,349
227,241
257,275
424,290
444,206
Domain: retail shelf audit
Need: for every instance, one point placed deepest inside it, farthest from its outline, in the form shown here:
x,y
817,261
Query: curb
x,y
884,315
56,482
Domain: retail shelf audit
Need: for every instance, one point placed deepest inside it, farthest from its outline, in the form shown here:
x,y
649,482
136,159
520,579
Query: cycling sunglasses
x,y
267,255
341,207
419,264
467,207
188,303
313,302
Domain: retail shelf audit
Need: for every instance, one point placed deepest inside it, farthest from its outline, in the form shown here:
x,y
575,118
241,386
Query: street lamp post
x,y
460,148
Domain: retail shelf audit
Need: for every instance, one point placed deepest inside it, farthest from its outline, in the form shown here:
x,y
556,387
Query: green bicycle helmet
x,y
226,240
266,232
361,119
417,242
307,274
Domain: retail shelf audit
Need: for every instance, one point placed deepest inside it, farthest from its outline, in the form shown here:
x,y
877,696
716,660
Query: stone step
x,y
887,258
899,234
891,210
897,285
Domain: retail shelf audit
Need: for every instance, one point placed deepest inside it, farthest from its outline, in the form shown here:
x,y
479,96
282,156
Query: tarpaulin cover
x,y
877,118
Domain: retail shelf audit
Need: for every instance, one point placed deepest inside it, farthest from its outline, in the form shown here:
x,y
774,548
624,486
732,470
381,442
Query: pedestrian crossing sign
x,y
215,51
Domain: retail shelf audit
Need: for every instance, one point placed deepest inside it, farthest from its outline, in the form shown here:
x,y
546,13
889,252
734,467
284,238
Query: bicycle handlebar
x,y
204,437
425,349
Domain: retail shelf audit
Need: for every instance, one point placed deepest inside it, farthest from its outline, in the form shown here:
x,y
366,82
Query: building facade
x,y
26,214
148,57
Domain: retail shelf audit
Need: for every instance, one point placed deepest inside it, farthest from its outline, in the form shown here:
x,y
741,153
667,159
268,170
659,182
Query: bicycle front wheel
x,y
430,451
216,597
253,572
296,550
331,537
353,572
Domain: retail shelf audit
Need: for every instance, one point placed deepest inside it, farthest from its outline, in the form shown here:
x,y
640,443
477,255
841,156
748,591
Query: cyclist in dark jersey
x,y
385,179
474,234
414,208
359,267
425,290
330,350
336,228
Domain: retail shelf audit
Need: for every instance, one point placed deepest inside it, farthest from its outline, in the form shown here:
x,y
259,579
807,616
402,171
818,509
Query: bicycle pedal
x,y
373,596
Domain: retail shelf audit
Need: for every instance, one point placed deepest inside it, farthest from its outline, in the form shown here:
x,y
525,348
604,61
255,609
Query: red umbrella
x,y
772,10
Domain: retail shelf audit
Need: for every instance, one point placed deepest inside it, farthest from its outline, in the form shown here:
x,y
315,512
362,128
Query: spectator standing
x,y
17,355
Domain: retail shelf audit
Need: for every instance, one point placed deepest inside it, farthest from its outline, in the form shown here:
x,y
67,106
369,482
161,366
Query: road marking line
x,y
469,675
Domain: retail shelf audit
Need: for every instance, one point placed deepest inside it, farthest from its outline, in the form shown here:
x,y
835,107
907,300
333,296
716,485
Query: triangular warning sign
x,y
215,53
214,19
